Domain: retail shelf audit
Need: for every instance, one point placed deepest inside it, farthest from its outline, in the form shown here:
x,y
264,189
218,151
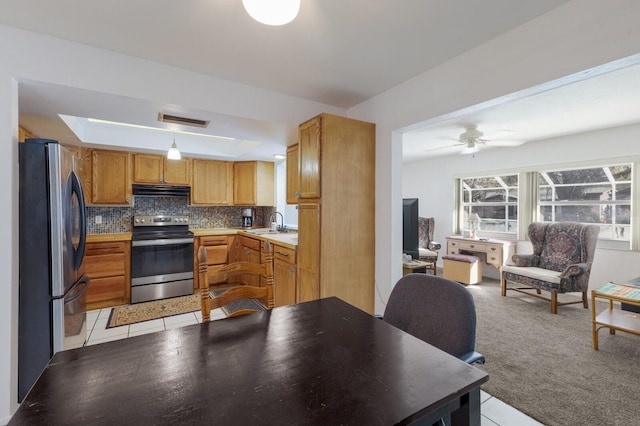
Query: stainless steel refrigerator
x,y
52,234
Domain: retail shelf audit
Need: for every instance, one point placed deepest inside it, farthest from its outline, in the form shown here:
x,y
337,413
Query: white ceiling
x,y
335,52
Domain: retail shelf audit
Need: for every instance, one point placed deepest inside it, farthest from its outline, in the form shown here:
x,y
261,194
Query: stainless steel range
x,y
161,258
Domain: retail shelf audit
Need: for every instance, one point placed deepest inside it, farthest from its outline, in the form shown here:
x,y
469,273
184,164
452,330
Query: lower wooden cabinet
x,y
217,247
108,265
284,275
250,249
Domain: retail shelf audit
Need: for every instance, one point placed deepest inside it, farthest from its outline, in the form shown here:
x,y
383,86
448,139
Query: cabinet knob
x,y
292,270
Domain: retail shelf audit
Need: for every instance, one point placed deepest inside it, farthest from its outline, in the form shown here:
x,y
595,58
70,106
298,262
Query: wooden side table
x,y
615,319
415,266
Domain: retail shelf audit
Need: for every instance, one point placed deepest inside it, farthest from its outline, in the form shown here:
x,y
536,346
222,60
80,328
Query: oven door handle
x,y
161,242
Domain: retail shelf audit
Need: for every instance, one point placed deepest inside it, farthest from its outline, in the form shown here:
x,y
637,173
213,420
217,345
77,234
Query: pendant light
x,y
174,153
272,12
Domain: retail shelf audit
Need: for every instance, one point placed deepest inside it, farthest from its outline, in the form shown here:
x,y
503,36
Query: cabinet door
x,y
309,159
251,255
293,177
110,177
244,183
177,172
148,168
284,275
308,283
212,182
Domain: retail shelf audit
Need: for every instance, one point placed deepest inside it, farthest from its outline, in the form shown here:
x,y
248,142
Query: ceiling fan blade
x,y
506,143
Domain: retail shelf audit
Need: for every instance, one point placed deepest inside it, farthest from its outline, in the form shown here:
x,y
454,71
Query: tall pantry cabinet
x,y
336,216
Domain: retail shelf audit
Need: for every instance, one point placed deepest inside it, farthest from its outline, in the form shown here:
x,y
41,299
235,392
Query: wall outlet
x,y
98,219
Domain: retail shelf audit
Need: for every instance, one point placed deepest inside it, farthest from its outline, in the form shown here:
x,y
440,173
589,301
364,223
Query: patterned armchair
x,y
427,248
561,261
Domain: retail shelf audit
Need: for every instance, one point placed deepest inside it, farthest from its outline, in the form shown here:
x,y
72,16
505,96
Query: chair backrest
x,y
425,231
238,291
434,309
561,244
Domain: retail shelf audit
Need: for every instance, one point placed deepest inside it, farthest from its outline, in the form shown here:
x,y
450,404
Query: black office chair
x,y
439,311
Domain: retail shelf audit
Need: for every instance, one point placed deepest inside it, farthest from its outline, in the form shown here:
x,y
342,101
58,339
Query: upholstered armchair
x,y
561,262
427,248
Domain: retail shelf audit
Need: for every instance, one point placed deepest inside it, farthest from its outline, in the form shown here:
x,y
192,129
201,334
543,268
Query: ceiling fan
x,y
472,138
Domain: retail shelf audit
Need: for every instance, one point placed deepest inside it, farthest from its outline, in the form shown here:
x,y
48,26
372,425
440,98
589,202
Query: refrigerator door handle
x,y
76,188
80,288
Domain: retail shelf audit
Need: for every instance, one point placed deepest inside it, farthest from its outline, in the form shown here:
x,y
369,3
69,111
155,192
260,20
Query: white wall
x,y
437,198
577,36
574,37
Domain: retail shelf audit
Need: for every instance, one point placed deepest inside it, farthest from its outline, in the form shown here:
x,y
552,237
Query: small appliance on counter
x,y
247,218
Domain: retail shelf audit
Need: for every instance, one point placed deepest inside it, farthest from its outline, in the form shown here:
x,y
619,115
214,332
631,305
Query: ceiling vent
x,y
174,119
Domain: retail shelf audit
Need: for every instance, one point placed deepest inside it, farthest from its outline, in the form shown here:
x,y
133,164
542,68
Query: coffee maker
x,y
247,218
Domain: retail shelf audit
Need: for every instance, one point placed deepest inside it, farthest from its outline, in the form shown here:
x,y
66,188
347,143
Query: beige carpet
x,y
545,366
131,314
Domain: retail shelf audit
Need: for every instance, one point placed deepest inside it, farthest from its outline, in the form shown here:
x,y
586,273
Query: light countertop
x,y
102,238
288,239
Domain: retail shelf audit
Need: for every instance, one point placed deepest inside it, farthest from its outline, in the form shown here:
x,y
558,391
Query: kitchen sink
x,y
264,231
270,231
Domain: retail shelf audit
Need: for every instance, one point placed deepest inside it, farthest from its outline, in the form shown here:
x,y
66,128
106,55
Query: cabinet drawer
x,y
216,255
105,265
103,289
214,240
284,254
105,248
251,243
465,245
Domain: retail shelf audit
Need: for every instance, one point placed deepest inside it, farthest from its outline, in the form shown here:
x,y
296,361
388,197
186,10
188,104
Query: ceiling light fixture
x,y
279,156
272,12
174,153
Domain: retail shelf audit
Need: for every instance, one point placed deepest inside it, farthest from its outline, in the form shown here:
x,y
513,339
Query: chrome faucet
x,y
273,218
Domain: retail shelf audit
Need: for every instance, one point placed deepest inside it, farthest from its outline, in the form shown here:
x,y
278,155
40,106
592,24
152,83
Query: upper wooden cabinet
x,y
110,178
336,216
158,169
309,159
253,183
212,182
24,134
293,177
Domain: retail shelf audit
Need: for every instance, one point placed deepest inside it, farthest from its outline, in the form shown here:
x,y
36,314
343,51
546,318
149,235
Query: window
x,y
494,199
595,195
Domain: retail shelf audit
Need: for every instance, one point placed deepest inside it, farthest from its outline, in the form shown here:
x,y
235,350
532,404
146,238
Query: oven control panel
x,y
160,220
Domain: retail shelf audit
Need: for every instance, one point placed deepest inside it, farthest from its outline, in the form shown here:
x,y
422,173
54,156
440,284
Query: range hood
x,y
161,190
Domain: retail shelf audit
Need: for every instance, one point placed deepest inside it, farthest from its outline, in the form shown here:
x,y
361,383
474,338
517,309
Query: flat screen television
x,y
410,227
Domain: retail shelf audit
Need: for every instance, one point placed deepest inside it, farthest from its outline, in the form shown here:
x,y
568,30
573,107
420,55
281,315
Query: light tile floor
x,y
494,411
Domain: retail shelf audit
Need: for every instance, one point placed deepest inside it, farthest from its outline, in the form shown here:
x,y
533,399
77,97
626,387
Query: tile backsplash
x,y
119,219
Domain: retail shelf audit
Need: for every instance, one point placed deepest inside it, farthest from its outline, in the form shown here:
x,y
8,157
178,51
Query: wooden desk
x,y
316,363
497,251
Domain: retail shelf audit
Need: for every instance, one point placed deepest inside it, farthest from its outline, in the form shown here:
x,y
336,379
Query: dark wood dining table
x,y
322,362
